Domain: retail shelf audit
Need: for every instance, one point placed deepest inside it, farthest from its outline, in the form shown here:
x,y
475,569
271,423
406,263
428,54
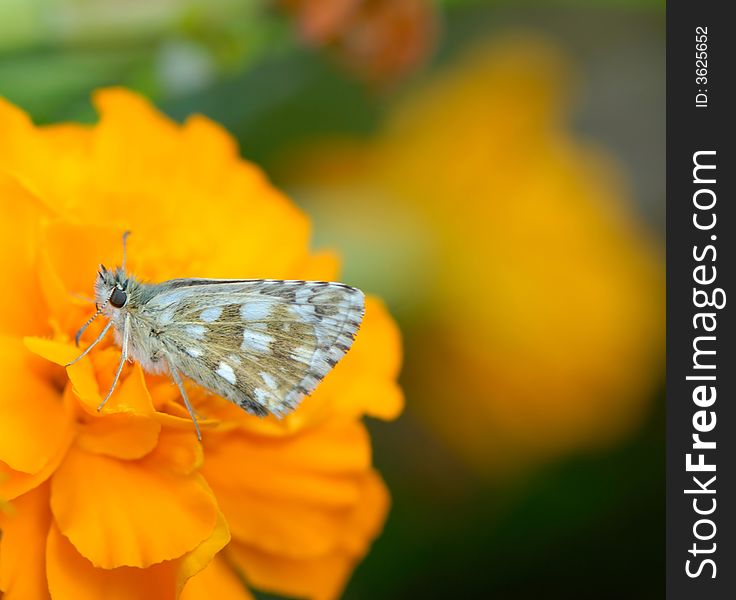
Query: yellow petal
x,y
70,257
120,513
208,149
126,427
366,521
81,374
217,580
23,547
178,450
320,577
321,266
318,459
296,493
162,246
21,151
45,167
125,436
194,562
283,528
22,310
72,577
16,483
33,422
131,394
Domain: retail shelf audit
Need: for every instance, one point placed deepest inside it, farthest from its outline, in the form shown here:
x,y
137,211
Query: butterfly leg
x,y
92,345
177,379
123,358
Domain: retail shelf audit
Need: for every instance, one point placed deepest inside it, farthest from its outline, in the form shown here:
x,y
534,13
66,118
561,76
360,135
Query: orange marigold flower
x,y
127,503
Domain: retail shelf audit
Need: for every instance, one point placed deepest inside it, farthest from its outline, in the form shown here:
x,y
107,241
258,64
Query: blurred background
x,y
495,171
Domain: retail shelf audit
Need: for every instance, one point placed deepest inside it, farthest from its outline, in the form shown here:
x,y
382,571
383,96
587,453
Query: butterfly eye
x,y
118,298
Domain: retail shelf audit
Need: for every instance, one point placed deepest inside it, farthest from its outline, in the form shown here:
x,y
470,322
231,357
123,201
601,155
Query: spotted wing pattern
x,y
263,344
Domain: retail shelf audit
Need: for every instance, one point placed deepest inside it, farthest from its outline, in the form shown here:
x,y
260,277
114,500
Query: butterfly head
x,y
111,288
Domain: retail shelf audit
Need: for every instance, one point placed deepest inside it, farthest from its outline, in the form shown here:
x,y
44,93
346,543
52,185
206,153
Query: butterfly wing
x,y
263,344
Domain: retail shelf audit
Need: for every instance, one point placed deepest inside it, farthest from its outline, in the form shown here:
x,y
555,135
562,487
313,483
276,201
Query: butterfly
x,y
263,344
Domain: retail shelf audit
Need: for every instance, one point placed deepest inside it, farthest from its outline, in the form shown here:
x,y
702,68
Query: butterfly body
x,y
262,344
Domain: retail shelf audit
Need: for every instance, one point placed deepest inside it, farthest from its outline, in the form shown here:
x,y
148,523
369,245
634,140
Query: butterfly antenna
x,y
125,247
82,329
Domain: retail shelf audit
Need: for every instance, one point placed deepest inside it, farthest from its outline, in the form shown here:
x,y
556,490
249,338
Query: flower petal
x,y
320,577
28,442
217,580
181,178
70,258
120,513
283,528
20,148
16,483
317,458
120,435
46,167
21,309
72,577
23,546
178,451
366,521
81,375
197,560
294,496
131,394
320,266
127,427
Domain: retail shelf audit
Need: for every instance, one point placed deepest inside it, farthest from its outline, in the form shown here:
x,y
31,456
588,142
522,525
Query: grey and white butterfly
x,y
263,344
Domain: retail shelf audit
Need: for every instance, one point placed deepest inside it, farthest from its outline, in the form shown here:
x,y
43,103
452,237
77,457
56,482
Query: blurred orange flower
x,y
126,503
380,39
534,312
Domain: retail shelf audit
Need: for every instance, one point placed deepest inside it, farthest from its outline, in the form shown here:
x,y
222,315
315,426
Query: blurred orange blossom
x,y
381,40
534,314
126,503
